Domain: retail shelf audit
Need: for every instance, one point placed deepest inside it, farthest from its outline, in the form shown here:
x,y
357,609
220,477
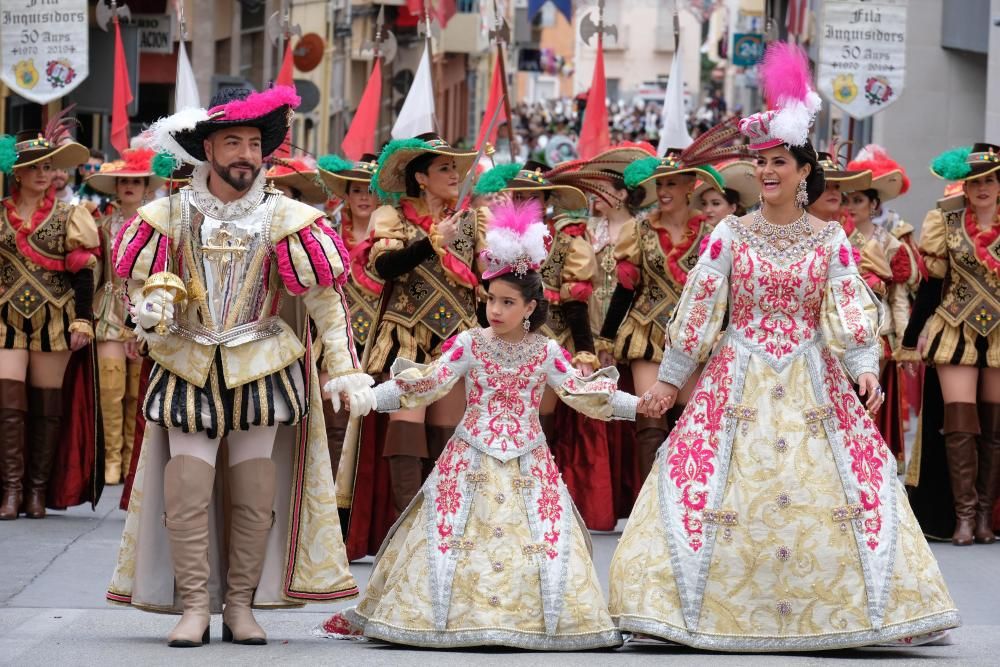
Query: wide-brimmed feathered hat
x,y
600,175
530,177
964,163
33,146
134,163
389,180
791,100
889,179
183,134
848,178
739,176
298,175
338,173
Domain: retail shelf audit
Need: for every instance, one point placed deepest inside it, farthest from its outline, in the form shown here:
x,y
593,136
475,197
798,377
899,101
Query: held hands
x,y
660,398
586,370
155,307
353,391
869,389
607,360
78,341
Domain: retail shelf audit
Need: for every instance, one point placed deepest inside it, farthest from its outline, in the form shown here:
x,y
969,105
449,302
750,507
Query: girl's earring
x,y
871,211
526,324
802,195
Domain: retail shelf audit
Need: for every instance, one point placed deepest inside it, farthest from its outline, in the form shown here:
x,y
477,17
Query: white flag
x,y
417,114
186,88
673,123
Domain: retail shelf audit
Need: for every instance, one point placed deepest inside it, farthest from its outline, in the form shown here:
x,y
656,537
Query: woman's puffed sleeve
x,y
934,244
628,255
83,241
388,233
874,267
698,318
596,396
579,266
415,385
851,313
312,262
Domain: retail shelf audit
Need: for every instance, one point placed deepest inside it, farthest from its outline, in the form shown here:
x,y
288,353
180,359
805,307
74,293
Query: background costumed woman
x,y
740,192
48,254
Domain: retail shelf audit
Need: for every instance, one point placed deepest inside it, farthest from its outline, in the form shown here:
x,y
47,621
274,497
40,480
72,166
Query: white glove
x,y
155,307
362,401
350,384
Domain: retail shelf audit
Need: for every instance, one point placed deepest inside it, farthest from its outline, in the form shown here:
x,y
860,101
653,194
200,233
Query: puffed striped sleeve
x,y
934,244
852,315
628,254
83,242
139,250
579,266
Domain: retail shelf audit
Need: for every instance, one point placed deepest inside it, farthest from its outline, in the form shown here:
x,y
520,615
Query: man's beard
x,y
237,181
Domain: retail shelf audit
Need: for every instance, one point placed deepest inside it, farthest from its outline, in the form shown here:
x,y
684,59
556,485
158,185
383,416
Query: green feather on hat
x,y
952,165
390,148
496,179
8,155
334,163
640,170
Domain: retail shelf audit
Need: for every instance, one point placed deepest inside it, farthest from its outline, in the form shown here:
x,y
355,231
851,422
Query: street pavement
x,y
52,612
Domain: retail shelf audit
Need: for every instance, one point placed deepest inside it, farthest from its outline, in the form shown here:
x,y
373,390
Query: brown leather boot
x,y
133,377
187,491
405,447
13,409
961,426
251,493
45,420
988,479
112,372
437,439
650,433
336,431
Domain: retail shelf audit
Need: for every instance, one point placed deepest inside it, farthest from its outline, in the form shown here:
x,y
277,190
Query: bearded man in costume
x,y
206,269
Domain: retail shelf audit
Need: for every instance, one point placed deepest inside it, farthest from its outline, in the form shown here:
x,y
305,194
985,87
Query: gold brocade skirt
x,y
960,345
393,340
639,342
45,331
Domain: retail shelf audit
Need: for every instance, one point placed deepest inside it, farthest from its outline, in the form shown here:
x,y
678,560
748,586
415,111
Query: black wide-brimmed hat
x,y
270,111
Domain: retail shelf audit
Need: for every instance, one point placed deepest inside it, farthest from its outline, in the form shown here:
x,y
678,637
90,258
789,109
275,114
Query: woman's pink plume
x,y
785,75
516,216
258,104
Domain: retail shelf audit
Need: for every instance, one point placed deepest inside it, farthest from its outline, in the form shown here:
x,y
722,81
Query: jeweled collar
x,y
210,205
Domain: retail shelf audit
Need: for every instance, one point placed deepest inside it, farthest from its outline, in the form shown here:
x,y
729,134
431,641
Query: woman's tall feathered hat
x,y
183,133
889,178
792,102
134,163
515,239
55,143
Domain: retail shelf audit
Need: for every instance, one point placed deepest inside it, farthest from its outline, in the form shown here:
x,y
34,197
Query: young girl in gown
x,y
492,550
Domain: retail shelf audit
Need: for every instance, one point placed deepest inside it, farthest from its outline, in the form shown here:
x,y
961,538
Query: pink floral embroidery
x,y
693,443
560,365
699,313
448,344
716,248
550,508
869,453
457,354
845,256
453,461
853,316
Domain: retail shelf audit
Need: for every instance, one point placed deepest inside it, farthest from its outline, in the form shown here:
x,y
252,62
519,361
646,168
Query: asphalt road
x,y
52,612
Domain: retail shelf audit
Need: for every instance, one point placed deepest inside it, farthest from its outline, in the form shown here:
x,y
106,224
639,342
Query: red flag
x,y
360,138
495,99
121,97
286,78
444,11
594,135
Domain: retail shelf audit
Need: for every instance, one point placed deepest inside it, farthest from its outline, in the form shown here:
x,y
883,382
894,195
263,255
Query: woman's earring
x,y
526,324
871,211
802,195
423,187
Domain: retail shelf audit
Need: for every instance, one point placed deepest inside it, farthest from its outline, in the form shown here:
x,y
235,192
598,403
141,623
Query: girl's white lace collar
x,y
211,206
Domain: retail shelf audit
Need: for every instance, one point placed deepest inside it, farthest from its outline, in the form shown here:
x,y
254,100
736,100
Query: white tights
x,y
256,443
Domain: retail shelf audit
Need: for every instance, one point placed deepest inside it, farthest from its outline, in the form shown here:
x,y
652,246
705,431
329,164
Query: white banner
x,y
43,47
862,55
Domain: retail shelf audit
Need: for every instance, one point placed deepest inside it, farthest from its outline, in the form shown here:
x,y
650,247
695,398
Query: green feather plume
x,y
639,171
164,165
951,165
496,179
390,148
8,156
714,173
575,214
334,163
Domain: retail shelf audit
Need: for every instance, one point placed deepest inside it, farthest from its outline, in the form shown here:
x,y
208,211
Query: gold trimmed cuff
x,y
82,327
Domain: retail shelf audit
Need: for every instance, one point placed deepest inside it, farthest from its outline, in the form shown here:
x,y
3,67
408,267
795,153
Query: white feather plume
x,y
162,132
792,122
506,246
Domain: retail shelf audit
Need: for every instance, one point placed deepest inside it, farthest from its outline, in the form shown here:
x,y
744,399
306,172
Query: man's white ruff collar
x,y
211,206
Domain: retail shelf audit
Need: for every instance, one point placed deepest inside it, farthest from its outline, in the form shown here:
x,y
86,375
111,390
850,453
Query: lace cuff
x,y
387,396
676,367
623,405
861,360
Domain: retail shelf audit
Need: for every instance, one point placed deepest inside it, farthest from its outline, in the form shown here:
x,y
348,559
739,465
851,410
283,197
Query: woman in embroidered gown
x,y
900,274
131,182
654,253
48,254
363,485
954,328
427,251
491,551
772,520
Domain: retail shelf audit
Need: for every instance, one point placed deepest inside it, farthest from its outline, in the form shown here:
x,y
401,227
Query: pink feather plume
x,y
258,104
515,216
785,75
